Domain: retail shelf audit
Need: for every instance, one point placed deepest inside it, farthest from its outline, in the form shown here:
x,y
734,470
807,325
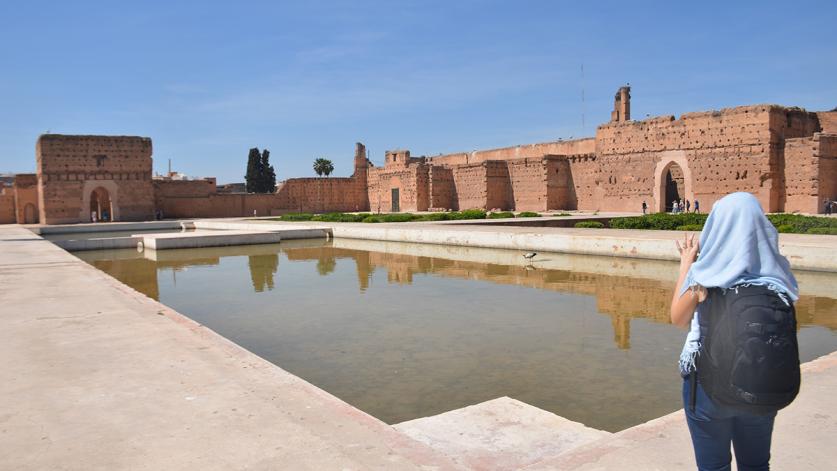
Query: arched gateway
x,y
672,180
101,208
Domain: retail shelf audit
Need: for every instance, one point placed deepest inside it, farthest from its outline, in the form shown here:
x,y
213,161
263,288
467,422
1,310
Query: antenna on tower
x,y
583,104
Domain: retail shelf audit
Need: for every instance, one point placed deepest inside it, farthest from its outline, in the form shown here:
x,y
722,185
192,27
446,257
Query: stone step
x,y
502,433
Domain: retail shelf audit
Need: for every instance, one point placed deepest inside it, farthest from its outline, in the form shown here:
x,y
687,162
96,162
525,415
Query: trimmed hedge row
x,y
784,223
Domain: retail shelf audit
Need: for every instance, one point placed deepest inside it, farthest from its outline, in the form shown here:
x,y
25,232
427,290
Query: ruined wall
x,y
578,146
221,205
471,188
826,152
499,193
412,182
70,167
801,178
828,121
322,195
724,151
560,191
7,208
441,188
26,198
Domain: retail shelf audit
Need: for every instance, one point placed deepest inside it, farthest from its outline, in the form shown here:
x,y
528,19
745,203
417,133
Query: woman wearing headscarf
x,y
738,259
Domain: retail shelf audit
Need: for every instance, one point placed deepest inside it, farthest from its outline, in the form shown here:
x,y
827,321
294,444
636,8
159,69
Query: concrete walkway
x,y
97,376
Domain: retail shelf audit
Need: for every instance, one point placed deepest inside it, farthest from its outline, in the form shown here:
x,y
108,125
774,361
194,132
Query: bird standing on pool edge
x,y
529,255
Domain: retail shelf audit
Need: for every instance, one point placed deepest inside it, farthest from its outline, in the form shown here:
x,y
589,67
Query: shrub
x,y
822,230
785,229
501,215
528,214
395,217
658,221
800,224
340,217
433,217
467,214
590,224
296,217
690,227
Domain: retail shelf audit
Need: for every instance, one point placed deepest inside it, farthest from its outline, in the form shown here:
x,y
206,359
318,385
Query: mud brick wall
x,y
578,146
220,205
828,121
528,178
26,198
499,192
71,167
735,149
585,181
441,188
412,181
322,194
560,192
471,186
826,152
801,178
7,208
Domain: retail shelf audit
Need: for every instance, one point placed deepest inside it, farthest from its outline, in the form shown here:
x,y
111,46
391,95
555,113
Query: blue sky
x,y
208,80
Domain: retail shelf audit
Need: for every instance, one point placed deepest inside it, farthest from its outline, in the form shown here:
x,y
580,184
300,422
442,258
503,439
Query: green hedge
x,y
528,214
659,221
296,217
467,214
590,224
784,223
501,215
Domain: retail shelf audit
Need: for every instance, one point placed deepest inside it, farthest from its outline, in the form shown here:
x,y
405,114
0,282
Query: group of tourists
x,y
684,206
677,206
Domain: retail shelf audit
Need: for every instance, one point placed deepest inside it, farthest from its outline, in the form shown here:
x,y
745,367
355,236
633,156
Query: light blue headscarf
x,y
738,246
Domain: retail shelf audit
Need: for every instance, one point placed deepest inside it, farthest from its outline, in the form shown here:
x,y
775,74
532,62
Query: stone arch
x,y
671,175
99,196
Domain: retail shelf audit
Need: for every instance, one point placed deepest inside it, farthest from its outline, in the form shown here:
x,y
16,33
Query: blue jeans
x,y
714,426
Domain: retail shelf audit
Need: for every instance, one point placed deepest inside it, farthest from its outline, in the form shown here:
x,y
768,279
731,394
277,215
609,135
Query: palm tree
x,y
323,167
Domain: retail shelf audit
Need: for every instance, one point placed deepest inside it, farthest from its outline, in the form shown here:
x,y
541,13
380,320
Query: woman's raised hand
x,y
689,249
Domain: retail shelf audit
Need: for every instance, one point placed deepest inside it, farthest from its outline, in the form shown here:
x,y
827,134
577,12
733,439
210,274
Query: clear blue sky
x,y
207,80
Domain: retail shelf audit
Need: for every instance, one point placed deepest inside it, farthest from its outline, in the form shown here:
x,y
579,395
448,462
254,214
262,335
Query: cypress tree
x,y
252,177
268,174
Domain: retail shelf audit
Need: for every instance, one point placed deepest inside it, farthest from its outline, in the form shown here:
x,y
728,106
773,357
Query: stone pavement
x,y
97,376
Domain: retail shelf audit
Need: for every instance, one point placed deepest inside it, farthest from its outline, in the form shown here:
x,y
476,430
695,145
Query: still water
x,y
403,331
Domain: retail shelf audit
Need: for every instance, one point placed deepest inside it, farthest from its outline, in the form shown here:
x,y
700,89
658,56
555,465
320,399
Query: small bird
x,y
529,255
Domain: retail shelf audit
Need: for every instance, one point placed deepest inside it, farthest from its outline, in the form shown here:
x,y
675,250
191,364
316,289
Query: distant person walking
x,y
644,207
697,206
728,395
674,206
688,206
827,206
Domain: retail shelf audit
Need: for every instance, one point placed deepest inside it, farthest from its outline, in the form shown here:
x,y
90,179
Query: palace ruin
x,y
786,156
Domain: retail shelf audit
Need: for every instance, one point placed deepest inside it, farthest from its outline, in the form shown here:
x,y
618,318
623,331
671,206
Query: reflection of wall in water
x,y
262,270
622,298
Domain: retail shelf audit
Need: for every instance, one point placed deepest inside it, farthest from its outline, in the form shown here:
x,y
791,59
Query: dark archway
x,y
675,186
101,209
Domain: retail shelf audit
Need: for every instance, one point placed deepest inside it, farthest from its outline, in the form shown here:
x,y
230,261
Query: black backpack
x,y
749,356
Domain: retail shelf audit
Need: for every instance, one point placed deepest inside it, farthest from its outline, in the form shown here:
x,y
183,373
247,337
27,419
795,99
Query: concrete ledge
x,y
182,240
106,227
500,434
108,243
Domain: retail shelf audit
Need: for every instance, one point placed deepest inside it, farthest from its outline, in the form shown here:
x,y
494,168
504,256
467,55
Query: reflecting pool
x,y
403,331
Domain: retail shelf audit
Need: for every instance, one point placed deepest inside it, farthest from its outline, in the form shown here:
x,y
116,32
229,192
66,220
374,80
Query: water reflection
x,y
407,330
621,297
